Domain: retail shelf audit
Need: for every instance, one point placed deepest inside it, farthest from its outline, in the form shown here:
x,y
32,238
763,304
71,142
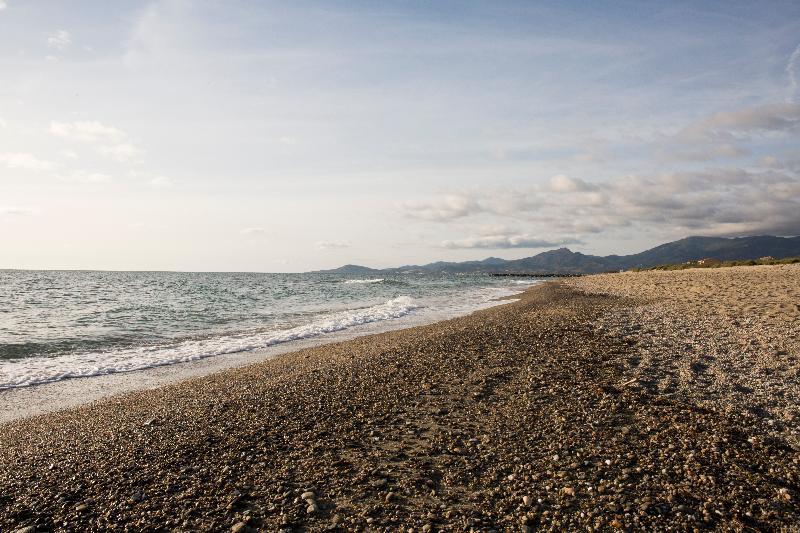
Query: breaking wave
x,y
37,370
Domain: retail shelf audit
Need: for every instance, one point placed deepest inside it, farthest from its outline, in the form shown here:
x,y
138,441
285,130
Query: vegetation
x,y
716,263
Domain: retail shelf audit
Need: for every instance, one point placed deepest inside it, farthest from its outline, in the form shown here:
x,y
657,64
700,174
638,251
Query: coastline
x,y
640,400
23,402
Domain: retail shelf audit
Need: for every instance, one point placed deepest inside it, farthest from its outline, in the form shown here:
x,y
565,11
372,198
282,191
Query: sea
x,y
57,325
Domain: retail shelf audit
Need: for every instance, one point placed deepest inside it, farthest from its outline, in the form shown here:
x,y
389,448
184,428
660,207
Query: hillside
x,y
564,260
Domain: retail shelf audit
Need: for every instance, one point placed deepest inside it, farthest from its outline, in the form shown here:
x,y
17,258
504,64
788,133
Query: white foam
x,y
351,281
37,370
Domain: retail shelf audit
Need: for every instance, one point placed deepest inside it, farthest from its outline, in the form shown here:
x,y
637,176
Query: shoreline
x,y
642,401
23,402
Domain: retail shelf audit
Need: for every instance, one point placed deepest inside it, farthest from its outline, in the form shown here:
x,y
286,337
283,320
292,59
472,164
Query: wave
x,y
351,281
35,371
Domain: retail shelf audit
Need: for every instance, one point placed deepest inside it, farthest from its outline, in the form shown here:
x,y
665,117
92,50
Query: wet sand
x,y
647,401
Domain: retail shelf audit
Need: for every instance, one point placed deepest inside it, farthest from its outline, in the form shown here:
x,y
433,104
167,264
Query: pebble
x,y
552,365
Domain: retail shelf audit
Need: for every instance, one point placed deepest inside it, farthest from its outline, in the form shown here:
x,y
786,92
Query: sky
x,y
300,135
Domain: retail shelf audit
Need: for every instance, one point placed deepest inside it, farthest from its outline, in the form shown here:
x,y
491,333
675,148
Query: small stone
x,y
239,527
26,529
427,527
308,495
390,496
312,507
82,507
526,500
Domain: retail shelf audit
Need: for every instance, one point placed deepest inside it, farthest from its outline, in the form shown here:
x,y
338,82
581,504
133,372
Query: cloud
x,y
513,203
25,161
109,141
161,182
17,210
727,125
506,242
3,5
793,72
59,40
331,245
82,176
121,152
253,231
564,184
713,201
447,208
86,131
702,153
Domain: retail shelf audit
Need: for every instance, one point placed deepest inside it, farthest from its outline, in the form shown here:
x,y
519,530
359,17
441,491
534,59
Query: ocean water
x,y
57,325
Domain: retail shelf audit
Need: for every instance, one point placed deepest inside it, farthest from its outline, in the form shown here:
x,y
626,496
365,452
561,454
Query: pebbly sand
x,y
649,401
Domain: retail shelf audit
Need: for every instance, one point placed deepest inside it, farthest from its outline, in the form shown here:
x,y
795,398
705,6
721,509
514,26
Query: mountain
x,y
565,261
356,270
693,248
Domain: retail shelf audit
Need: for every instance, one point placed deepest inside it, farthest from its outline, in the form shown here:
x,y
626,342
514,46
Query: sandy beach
x,y
647,401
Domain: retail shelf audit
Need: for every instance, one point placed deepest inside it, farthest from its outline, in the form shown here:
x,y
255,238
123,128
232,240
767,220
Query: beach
x,y
647,401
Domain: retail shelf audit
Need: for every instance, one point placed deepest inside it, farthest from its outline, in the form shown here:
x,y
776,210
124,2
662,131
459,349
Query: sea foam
x,y
37,370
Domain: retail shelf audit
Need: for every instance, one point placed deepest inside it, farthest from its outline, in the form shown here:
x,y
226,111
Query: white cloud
x,y
109,141
3,5
506,241
59,40
82,176
331,245
561,183
69,154
253,231
714,201
793,71
780,117
698,151
17,210
121,152
442,209
3,123
161,182
86,131
25,161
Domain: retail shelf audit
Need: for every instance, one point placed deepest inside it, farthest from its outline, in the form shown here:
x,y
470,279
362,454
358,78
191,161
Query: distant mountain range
x,y
565,261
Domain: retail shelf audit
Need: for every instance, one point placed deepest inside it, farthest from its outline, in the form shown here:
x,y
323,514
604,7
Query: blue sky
x,y
291,136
